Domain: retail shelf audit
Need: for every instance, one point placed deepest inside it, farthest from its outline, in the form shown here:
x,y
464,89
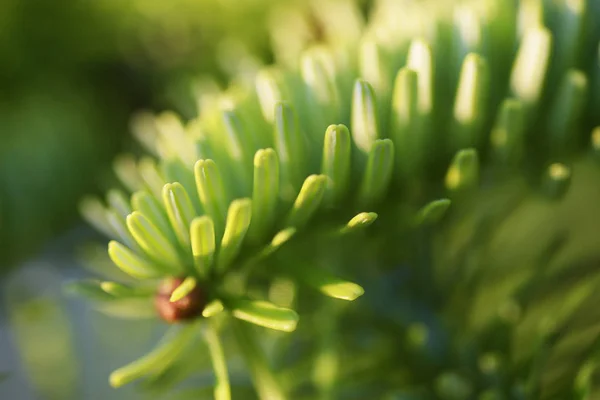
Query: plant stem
x,y
222,389
266,384
327,361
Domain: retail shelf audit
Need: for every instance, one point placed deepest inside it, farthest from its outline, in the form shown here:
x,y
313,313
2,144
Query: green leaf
x,y
176,171
270,91
152,209
204,145
405,129
202,234
95,214
173,143
238,146
420,59
265,194
168,350
336,160
359,222
571,25
186,287
280,239
532,14
566,112
277,241
308,200
119,290
365,126
95,260
265,382
212,192
119,202
90,289
378,173
126,170
329,285
587,384
153,242
470,105
264,314
469,32
180,211
131,263
143,127
557,181
317,71
128,308
118,225
464,171
238,221
507,137
222,390
289,145
432,212
151,177
530,65
375,68
213,308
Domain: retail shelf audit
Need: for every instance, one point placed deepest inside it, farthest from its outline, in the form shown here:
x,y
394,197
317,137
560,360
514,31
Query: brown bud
x,y
187,308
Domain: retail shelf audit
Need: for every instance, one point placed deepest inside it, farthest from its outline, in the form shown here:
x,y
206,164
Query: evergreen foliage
x,y
356,198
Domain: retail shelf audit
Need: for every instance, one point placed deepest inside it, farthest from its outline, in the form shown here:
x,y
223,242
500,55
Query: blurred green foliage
x,y
71,74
